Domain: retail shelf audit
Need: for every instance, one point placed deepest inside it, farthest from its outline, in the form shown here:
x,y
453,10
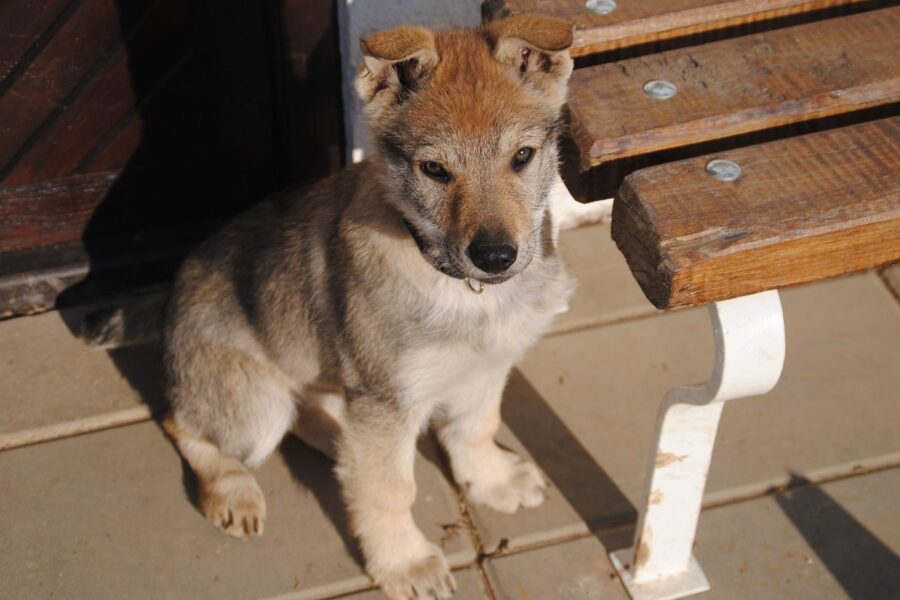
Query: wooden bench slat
x,y
805,208
736,86
635,22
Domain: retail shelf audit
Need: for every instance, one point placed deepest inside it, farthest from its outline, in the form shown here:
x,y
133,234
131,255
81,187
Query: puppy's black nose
x,y
492,258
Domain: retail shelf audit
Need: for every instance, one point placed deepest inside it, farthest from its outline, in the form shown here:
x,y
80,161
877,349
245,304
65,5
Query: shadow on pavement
x,y
574,472
861,563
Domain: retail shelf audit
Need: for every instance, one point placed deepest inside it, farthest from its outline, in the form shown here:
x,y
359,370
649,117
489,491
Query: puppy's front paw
x,y
235,504
507,483
426,578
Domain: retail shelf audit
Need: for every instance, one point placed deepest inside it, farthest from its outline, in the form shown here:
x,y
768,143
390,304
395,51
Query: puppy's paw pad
x,y
236,506
521,485
427,579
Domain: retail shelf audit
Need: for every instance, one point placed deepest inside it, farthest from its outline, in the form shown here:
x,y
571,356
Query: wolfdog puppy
x,y
393,296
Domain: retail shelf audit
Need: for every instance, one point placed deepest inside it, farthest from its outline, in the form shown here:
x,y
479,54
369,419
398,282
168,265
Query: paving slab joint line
x,y
815,477
468,523
84,425
75,427
754,492
503,550
819,477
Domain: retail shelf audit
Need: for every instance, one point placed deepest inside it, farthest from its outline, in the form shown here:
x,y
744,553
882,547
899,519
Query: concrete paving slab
x,y
468,587
53,385
606,290
838,540
584,404
577,570
107,515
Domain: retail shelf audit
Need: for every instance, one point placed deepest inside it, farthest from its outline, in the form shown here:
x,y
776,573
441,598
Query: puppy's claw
x,y
427,579
236,506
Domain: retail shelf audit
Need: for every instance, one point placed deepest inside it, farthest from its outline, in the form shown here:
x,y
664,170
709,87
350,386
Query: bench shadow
x,y
861,563
567,463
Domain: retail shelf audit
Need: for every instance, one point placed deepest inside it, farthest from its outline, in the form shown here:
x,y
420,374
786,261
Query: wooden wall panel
x,y
22,26
32,96
124,117
106,99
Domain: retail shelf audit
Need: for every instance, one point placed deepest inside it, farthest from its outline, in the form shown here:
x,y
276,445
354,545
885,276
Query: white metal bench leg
x,y
749,333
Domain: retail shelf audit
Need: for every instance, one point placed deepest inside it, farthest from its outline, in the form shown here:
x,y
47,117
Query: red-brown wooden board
x,y
736,86
639,22
123,117
804,209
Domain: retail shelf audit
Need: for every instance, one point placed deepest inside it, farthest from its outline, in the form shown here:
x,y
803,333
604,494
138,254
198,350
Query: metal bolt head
x,y
724,170
660,89
600,7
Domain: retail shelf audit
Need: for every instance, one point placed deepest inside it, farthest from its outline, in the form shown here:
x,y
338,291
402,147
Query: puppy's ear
x,y
397,62
536,49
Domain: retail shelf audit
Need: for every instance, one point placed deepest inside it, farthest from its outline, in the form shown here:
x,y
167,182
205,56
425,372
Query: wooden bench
x,y
802,209
738,166
632,23
693,232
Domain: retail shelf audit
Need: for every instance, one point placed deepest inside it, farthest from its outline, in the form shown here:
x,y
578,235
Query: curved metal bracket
x,y
749,335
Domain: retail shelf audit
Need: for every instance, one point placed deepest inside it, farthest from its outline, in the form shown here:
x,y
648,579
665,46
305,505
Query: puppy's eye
x,y
435,170
521,158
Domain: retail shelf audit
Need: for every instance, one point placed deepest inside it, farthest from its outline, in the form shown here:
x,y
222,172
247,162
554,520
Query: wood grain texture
x,y
176,104
39,279
634,23
804,209
50,212
107,101
121,203
22,25
91,29
736,86
120,118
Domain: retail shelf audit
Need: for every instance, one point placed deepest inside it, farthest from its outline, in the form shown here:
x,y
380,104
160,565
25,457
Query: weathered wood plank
x,y
634,23
108,99
39,279
51,212
97,205
22,24
804,209
736,86
66,59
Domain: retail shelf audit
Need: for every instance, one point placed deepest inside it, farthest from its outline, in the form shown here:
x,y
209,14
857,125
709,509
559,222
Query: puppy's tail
x,y
125,325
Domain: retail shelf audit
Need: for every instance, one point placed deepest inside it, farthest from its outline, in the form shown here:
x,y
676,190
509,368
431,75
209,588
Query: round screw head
x,y
600,7
724,170
660,89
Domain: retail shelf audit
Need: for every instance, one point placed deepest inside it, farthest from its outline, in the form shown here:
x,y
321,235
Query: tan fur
x,y
341,312
228,494
546,33
398,44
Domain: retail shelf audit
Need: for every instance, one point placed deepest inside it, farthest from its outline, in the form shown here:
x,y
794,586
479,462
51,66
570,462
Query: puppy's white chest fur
x,y
486,332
